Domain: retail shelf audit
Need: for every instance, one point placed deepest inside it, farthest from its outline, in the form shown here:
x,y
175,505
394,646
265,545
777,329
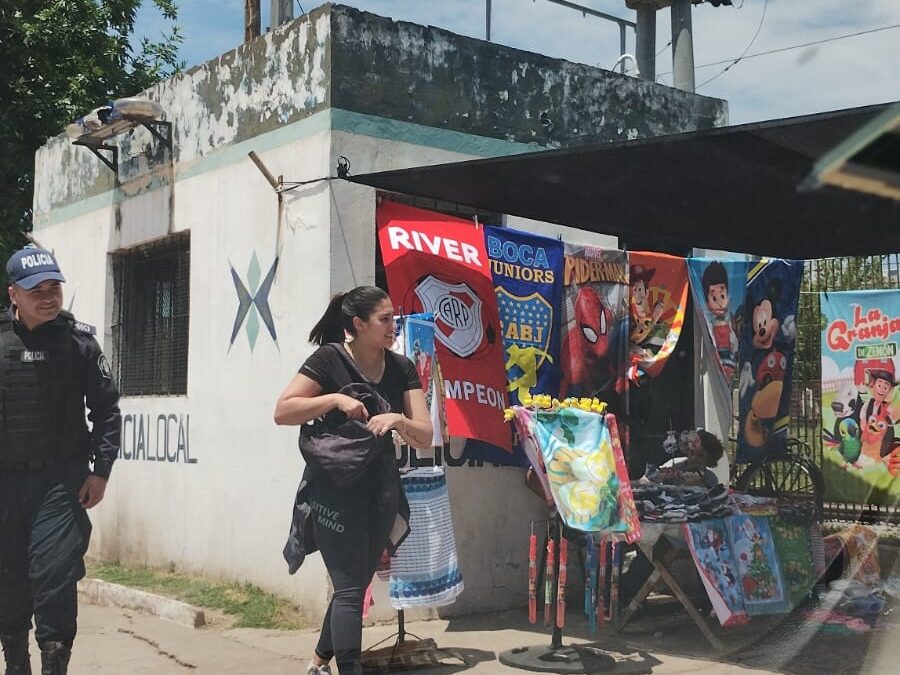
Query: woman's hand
x,y
353,409
382,424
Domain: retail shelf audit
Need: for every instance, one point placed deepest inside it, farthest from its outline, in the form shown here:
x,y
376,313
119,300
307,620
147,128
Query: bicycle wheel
x,y
788,478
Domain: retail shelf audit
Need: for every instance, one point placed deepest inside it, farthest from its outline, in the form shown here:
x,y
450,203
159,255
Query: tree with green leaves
x,y
59,59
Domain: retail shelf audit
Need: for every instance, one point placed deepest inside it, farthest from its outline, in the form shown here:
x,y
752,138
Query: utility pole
x,y
251,19
682,46
645,41
282,12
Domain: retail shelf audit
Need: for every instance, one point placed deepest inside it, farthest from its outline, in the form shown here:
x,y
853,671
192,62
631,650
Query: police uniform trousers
x,y
44,534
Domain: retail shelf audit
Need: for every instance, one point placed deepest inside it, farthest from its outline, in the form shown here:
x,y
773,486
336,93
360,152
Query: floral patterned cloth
x,y
585,468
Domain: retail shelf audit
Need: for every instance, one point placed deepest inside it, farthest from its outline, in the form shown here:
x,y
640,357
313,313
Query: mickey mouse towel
x,y
767,339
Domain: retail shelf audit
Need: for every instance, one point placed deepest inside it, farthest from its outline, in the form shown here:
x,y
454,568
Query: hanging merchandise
x,y
792,545
857,545
594,322
425,570
532,576
718,288
659,286
601,584
590,583
586,472
714,559
527,272
860,410
561,582
758,567
438,264
414,338
549,574
616,557
768,334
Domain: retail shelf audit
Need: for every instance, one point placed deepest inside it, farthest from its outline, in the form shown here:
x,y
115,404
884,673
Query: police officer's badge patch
x,y
103,367
85,328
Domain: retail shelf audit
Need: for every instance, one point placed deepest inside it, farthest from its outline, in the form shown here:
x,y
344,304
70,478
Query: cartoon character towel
x,y
713,556
659,286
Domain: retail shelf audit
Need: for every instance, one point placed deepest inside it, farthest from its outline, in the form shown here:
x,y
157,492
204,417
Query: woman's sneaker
x,y
313,669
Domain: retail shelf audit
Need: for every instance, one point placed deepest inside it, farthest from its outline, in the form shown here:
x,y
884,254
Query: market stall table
x,y
647,546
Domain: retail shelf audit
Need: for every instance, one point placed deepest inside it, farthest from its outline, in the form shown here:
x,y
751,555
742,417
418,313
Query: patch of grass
x,y
250,605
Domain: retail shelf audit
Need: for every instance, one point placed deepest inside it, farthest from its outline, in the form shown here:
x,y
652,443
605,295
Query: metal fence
x,y
831,274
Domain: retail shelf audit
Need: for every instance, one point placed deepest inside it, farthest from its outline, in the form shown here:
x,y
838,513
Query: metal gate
x,y
832,274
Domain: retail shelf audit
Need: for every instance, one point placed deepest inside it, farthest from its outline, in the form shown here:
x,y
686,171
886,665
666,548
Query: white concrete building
x,y
160,253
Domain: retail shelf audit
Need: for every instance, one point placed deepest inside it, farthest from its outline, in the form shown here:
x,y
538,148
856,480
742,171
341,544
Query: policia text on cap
x,y
52,367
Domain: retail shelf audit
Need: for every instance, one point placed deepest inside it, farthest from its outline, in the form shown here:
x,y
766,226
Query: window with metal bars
x,y
150,317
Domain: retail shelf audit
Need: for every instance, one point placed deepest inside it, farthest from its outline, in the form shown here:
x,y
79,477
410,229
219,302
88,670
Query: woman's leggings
x,y
351,541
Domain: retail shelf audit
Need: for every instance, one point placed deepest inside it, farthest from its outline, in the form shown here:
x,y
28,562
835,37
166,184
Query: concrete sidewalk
x,y
116,641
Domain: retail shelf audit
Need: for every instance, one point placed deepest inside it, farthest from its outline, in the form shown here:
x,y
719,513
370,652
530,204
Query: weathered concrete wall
x,y
326,85
273,81
440,79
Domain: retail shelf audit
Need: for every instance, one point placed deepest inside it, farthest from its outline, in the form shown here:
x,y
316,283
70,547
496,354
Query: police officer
x,y
51,366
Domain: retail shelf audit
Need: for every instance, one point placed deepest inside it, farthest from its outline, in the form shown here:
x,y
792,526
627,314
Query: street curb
x,y
101,592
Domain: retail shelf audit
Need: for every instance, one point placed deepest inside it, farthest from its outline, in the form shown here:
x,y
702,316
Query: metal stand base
x,y
564,659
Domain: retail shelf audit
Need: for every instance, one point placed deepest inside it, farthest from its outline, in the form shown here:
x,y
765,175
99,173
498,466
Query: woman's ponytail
x,y
330,327
337,320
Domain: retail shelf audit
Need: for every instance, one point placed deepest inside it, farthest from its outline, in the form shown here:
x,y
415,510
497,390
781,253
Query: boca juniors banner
x,y
860,410
658,299
527,272
594,322
768,334
438,264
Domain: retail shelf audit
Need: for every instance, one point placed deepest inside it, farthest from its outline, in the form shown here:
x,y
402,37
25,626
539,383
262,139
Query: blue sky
x,y
840,74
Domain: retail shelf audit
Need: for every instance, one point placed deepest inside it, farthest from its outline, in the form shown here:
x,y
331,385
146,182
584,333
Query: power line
x,y
798,46
731,65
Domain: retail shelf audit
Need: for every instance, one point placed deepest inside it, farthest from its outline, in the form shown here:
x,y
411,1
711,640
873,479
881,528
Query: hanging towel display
x,y
768,334
659,286
860,410
792,545
527,272
714,559
414,339
425,570
438,264
594,322
586,472
757,565
718,288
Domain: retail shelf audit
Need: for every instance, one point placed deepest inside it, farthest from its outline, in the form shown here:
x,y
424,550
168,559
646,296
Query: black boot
x,y
15,650
55,658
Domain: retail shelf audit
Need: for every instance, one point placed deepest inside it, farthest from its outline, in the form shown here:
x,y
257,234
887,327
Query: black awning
x,y
732,188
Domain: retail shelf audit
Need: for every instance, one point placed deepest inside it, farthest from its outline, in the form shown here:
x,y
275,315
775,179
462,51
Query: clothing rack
x,y
556,657
403,654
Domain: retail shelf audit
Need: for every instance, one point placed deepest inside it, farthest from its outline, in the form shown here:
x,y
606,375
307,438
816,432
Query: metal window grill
x,y
832,274
151,311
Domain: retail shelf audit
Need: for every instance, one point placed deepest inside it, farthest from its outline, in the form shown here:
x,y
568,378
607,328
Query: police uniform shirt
x,y
92,376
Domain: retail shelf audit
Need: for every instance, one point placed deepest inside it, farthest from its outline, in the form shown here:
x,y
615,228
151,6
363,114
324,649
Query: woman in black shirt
x,y
355,335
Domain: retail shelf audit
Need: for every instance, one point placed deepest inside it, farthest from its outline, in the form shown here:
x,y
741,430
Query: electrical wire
x,y
731,65
798,46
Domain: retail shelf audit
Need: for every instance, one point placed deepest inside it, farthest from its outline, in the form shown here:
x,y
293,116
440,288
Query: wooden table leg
x,y
636,602
688,605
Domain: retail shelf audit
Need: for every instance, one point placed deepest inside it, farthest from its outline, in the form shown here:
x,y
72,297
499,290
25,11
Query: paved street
x,y
113,642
